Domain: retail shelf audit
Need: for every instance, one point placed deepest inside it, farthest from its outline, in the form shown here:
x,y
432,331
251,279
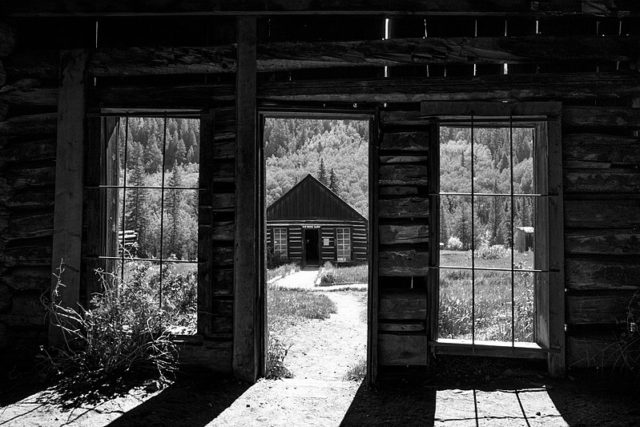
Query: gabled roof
x,y
311,199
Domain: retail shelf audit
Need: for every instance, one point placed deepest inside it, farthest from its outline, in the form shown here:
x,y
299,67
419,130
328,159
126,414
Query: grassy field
x,y
493,309
332,275
282,270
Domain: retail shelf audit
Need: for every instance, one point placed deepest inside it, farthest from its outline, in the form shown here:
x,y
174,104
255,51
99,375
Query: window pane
x,y
179,293
493,305
180,225
523,158
343,244
491,167
455,231
142,222
492,229
454,316
455,160
524,232
524,306
280,246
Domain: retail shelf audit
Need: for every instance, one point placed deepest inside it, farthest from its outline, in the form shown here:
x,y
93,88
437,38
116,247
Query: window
x,y
343,244
149,195
280,242
497,279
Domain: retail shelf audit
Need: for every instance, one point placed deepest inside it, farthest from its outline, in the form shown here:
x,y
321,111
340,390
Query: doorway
x,y
311,247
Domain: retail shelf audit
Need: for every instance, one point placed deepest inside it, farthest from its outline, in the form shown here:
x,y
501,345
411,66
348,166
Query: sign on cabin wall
x,y
310,226
326,241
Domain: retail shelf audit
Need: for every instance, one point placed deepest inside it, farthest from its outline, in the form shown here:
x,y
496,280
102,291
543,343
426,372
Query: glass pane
x,y
524,232
523,171
455,231
144,151
491,161
142,222
180,222
455,160
454,316
524,306
493,306
111,205
492,229
179,296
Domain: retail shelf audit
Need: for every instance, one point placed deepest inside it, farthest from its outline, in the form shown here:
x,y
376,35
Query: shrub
x,y
454,244
121,336
357,372
492,252
327,274
276,353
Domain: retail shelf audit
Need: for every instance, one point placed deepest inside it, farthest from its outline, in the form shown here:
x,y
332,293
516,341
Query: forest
x,y
336,152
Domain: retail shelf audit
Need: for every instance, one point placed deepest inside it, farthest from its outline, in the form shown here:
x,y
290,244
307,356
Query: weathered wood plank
x,y
30,226
600,117
222,231
223,202
480,88
7,39
604,242
214,354
595,273
602,181
275,7
601,150
67,219
402,174
403,306
602,213
407,207
402,159
402,234
27,255
403,263
397,191
29,93
179,96
415,328
38,150
402,350
35,124
41,64
27,279
594,351
247,334
598,309
406,141
283,56
3,74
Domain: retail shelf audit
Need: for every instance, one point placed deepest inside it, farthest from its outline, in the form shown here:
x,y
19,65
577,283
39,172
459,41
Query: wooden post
x,y
67,220
246,313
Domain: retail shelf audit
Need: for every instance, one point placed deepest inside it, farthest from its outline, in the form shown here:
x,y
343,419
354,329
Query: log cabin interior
x,y
566,68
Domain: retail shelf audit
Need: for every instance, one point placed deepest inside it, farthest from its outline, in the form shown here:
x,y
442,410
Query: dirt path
x,y
327,349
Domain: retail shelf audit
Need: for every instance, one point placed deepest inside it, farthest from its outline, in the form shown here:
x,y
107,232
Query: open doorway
x,y
316,244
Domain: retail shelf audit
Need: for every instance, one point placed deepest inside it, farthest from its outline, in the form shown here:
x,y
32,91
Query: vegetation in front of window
x,y
335,275
123,336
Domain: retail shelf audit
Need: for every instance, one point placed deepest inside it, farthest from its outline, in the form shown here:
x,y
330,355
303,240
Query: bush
x,y
276,353
121,336
454,244
327,275
492,252
357,372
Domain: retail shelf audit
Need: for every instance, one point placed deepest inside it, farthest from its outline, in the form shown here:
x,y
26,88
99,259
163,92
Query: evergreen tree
x,y
173,202
181,152
136,206
333,181
322,173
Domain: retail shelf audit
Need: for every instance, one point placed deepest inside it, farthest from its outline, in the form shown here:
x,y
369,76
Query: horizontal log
x,y
600,117
403,306
604,242
30,226
397,191
27,279
599,309
222,282
602,213
38,150
36,124
3,74
401,174
224,148
42,64
407,207
31,198
403,234
4,110
223,171
75,8
600,150
402,350
402,159
395,118
30,177
223,231
594,351
286,56
602,181
403,263
594,273
406,141
481,88
222,255
27,256
30,97
193,96
7,39
6,295
414,328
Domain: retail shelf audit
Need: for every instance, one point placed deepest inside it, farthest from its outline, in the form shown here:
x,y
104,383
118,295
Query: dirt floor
x,y
456,392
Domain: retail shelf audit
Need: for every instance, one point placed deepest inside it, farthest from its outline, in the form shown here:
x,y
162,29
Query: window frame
x,y
346,232
280,230
549,300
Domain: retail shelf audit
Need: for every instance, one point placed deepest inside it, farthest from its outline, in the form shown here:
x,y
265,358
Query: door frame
x,y
371,115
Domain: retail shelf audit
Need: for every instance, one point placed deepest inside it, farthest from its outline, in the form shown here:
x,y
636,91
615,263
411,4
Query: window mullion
x,y
473,241
164,160
513,328
124,194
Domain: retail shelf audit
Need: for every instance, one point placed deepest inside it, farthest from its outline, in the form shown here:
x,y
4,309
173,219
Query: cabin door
x,y
311,246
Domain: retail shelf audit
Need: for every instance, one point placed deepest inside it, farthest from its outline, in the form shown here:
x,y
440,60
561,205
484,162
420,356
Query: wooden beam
x,y
285,56
482,88
67,222
246,333
29,97
276,7
7,39
601,117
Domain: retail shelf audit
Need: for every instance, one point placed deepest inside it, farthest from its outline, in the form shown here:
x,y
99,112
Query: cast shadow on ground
x,y
191,400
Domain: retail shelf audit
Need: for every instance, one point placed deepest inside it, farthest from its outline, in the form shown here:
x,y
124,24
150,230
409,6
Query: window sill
x,y
520,350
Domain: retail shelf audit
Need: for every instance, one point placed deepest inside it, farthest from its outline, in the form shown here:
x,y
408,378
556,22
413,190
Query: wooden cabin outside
x,y
311,225
571,67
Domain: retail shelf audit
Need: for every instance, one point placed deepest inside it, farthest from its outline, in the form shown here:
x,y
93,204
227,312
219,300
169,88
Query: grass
x,y
357,372
282,270
287,307
493,311
331,275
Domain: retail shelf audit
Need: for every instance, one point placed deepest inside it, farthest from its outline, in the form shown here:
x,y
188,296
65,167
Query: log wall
x,y
594,75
